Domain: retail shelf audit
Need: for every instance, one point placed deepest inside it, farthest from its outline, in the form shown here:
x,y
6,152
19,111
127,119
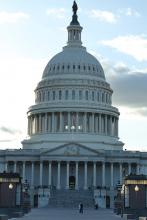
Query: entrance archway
x,y
72,182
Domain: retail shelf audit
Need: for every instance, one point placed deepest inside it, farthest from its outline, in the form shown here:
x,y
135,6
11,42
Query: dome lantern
x,y
74,29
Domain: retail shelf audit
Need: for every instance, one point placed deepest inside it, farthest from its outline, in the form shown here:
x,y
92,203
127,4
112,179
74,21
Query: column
x,y
85,122
46,122
120,172
29,125
100,123
36,124
129,168
117,127
94,174
103,174
53,122
106,124
138,169
110,128
96,123
61,120
67,175
59,174
41,169
77,175
77,121
14,170
50,174
69,124
40,118
85,175
23,171
6,166
32,175
112,175
92,124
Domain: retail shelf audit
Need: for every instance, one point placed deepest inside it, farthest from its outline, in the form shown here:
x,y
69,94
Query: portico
x,y
89,168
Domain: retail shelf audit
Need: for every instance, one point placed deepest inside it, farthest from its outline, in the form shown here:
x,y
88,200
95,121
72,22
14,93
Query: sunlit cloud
x,y
106,16
129,12
133,45
12,17
56,12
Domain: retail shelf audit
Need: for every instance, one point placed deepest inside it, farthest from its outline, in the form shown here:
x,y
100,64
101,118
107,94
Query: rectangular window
x,y
60,95
92,95
66,95
53,95
80,95
73,94
86,94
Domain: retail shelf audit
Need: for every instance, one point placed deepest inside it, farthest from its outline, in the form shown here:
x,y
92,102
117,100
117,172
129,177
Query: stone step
x,y
71,198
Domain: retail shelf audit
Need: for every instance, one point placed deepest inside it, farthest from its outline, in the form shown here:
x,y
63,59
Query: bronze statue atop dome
x,y
74,7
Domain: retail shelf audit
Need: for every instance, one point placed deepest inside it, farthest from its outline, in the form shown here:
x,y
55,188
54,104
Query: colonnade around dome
x,y
75,122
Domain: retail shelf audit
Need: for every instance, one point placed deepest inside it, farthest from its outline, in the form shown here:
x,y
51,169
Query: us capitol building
x,y
73,152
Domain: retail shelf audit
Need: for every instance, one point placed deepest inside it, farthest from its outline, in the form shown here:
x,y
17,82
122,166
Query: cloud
x,y
130,90
133,45
10,130
56,12
106,16
5,141
12,17
129,12
129,85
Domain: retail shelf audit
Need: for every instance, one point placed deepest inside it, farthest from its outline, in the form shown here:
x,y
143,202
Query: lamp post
x,y
136,188
10,186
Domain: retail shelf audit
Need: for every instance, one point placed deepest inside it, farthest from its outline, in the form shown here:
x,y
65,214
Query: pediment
x,y
71,149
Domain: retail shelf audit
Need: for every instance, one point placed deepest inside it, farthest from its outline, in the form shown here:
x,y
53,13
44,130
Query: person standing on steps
x,y
81,208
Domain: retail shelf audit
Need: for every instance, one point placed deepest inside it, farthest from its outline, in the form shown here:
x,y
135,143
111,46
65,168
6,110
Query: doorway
x,y
36,200
107,202
71,182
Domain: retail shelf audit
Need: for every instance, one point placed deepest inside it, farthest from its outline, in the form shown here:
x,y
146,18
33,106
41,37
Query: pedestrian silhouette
x,y
81,208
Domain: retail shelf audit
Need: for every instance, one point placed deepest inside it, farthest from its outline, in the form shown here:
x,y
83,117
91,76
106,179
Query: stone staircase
x,y
71,198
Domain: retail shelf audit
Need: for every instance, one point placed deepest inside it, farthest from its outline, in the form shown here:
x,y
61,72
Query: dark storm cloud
x,y
130,89
129,86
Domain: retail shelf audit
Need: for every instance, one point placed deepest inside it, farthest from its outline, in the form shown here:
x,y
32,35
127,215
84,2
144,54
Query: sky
x,y
114,31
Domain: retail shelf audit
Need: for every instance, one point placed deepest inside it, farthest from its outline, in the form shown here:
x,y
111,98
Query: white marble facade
x,y
73,137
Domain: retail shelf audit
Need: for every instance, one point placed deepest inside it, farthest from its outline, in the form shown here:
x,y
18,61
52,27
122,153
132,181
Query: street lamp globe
x,y
136,188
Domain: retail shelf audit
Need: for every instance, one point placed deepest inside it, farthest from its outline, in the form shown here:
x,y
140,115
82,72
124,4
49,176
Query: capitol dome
x,y
72,58
73,101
